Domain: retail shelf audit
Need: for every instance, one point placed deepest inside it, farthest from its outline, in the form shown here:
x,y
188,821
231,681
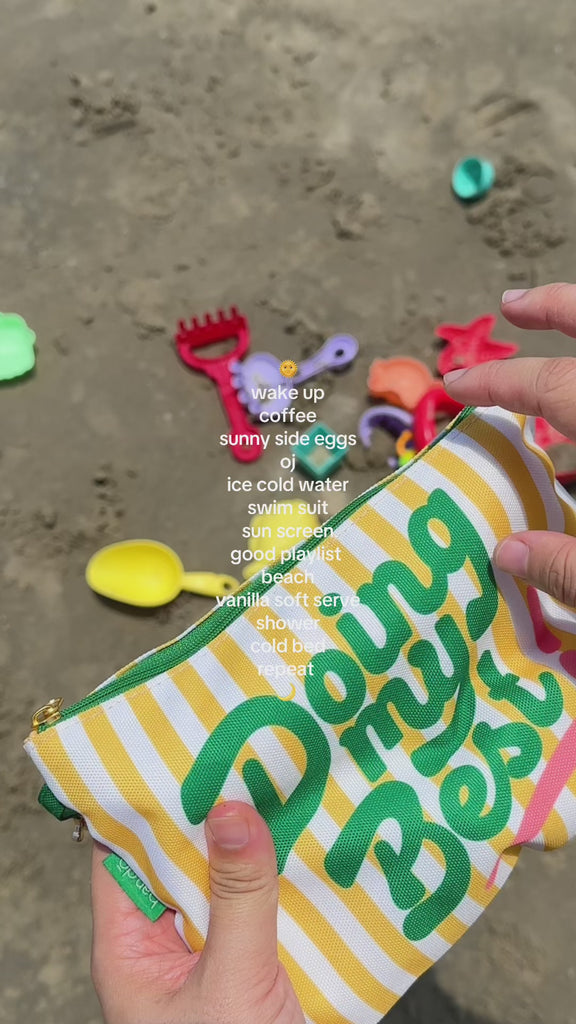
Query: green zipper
x,y
220,618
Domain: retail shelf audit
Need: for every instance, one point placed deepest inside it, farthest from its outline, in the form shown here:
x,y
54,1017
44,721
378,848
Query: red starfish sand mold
x,y
469,344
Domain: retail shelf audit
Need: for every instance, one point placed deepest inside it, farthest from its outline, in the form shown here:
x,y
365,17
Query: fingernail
x,y
512,556
229,832
513,294
453,376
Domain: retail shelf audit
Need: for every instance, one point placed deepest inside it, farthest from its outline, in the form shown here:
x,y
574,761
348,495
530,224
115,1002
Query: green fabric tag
x,y
51,803
133,887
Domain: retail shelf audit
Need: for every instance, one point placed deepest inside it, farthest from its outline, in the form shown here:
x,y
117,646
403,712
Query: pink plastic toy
x,y
197,335
434,403
438,402
469,344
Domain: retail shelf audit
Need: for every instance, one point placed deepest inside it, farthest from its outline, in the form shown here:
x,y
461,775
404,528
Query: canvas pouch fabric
x,y
414,731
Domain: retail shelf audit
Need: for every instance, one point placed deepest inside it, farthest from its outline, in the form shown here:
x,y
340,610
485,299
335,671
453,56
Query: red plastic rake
x,y
247,446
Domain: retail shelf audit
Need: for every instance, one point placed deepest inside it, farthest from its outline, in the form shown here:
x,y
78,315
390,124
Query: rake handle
x,y
236,414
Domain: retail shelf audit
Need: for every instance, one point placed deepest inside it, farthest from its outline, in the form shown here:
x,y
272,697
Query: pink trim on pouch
x,y
556,775
562,764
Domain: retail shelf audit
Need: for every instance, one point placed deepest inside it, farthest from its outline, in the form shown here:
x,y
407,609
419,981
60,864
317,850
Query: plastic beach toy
x,y
396,422
259,375
17,355
546,435
470,344
472,178
148,574
320,454
275,532
435,403
400,381
196,335
405,447
335,354
262,371
392,419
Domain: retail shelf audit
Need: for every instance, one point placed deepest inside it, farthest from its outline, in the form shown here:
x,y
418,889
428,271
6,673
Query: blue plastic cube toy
x,y
314,457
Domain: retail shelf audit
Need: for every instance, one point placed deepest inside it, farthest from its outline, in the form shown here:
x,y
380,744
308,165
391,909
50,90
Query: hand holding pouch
x,y
403,720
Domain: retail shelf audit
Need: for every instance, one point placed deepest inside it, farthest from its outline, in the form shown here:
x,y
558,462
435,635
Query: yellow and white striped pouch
x,y
403,719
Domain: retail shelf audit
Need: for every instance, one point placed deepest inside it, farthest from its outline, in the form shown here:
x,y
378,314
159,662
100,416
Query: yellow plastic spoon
x,y
148,574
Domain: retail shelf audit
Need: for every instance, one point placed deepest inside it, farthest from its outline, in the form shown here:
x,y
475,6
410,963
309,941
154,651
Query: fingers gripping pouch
x,y
403,718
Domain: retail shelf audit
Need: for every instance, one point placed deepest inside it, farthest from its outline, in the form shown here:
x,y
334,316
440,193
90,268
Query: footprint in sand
x,y
521,215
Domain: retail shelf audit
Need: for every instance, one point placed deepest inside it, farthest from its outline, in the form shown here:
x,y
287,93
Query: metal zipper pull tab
x,y
78,833
48,713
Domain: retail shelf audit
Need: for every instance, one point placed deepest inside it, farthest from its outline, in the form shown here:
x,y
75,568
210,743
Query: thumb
x,y
545,560
242,938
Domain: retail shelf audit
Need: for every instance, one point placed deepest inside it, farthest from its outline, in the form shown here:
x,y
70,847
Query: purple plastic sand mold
x,y
392,419
261,371
335,354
